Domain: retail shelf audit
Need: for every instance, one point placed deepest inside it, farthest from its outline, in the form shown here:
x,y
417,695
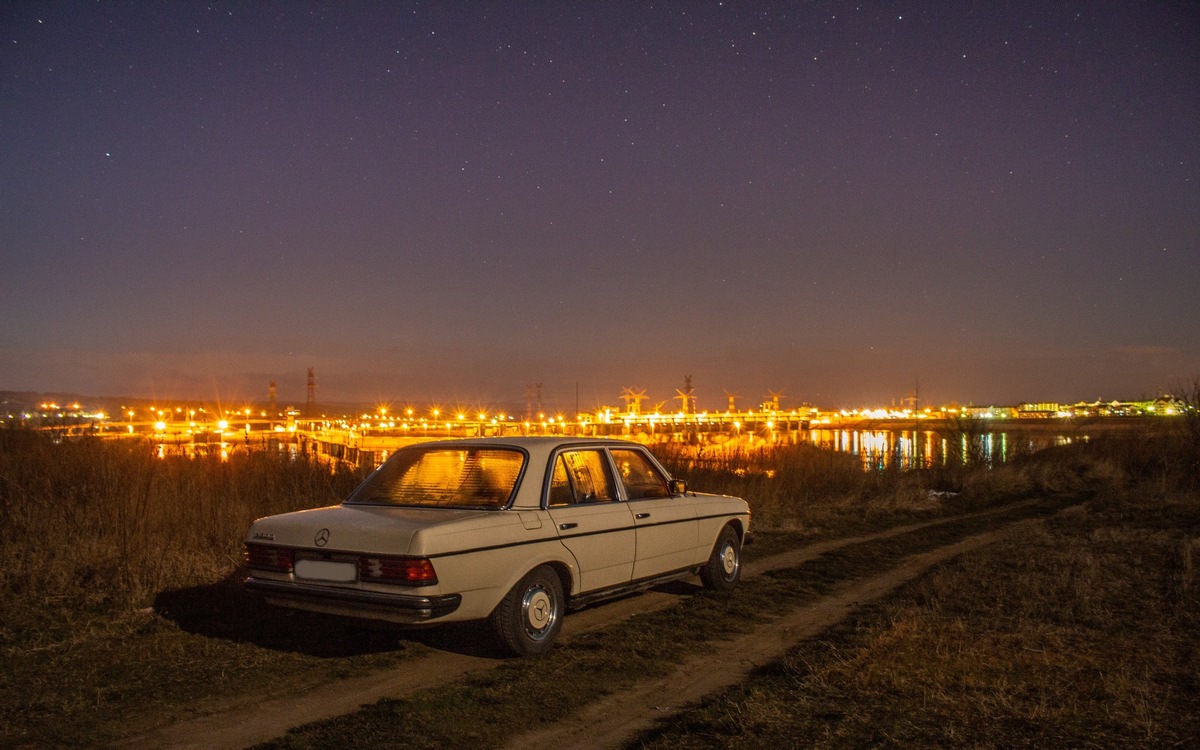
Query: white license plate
x,y
324,570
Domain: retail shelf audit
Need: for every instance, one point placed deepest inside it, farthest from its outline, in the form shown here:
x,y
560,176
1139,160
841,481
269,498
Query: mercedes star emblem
x,y
322,537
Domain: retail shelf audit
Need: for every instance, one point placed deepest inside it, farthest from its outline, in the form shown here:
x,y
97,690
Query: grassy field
x,y
120,587
1084,634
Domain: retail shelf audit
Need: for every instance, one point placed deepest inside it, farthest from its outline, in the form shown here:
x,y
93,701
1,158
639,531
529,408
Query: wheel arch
x,y
563,571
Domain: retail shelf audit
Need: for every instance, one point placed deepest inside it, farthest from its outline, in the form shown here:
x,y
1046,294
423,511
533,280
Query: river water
x,y
912,449
876,448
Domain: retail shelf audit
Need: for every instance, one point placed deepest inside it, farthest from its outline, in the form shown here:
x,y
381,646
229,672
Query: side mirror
x,y
678,487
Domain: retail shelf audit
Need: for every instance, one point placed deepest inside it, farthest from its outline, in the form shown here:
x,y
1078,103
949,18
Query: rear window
x,y
444,477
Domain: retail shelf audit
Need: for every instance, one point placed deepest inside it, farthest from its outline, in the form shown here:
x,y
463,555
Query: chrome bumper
x,y
402,608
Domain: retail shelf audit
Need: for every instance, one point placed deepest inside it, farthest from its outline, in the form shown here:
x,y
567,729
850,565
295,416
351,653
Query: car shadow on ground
x,y
226,610
679,588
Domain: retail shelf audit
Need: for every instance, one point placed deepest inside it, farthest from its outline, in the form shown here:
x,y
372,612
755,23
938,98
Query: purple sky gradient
x,y
451,201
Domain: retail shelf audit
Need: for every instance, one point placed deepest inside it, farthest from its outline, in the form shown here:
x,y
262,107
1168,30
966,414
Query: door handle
x,y
565,526
642,515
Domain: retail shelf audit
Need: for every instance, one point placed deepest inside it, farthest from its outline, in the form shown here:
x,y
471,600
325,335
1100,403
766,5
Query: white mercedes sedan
x,y
514,530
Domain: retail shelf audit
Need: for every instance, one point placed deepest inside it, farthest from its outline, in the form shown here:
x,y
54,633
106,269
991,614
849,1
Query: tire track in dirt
x,y
239,723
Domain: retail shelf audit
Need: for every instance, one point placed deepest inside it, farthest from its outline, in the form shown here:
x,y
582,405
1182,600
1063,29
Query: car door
x,y
667,530
591,520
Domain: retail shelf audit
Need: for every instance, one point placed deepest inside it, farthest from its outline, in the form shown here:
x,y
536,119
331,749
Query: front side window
x,y
641,478
580,477
444,477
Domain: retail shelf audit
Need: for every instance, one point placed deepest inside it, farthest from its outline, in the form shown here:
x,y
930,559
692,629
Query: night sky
x,y
448,202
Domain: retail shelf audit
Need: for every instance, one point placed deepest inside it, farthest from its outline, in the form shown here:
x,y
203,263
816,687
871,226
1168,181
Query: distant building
x,y
989,412
1039,410
1167,406
1100,408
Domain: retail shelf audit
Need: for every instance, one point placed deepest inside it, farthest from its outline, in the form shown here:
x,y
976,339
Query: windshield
x,y
444,477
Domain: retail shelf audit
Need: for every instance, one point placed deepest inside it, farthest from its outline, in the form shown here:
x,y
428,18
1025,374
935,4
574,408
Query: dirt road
x,y
612,722
237,724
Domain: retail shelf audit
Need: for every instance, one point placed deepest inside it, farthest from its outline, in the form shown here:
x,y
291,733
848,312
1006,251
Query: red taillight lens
x,y
266,557
410,571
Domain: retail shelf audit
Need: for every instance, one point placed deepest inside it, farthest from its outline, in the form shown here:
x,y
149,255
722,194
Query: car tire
x,y
724,567
527,620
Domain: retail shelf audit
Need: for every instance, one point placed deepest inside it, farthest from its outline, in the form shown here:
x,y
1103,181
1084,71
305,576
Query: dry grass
x,y
809,492
100,532
103,527
1083,634
788,487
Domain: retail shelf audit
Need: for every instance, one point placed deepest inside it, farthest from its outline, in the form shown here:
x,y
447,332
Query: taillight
x,y
266,557
410,571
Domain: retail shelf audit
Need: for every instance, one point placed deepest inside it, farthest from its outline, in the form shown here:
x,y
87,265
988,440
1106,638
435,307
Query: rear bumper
x,y
401,608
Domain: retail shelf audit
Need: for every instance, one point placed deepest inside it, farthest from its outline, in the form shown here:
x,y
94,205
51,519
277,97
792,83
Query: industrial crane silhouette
x,y
633,400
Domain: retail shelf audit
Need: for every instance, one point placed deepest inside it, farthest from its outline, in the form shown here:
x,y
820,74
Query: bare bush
x,y
1187,397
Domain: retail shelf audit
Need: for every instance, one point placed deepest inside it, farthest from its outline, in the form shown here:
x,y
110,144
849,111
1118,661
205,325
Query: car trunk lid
x,y
354,528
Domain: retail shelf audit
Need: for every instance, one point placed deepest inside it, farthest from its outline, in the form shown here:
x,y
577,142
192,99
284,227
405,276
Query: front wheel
x,y
724,566
527,620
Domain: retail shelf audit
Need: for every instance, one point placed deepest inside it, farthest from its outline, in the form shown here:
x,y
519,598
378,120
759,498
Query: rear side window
x,y
639,475
581,477
457,478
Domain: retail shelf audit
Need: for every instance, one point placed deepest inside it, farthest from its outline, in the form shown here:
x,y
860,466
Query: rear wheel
x,y
724,566
527,620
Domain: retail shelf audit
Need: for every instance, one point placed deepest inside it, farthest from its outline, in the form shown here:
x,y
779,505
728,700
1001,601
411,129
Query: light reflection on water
x,y
221,451
194,450
924,449
877,449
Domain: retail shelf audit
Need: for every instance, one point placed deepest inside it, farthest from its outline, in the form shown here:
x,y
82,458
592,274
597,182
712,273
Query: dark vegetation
x,y
118,574
1084,633
103,526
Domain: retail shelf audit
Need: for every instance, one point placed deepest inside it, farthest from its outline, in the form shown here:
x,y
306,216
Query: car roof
x,y
539,449
534,440
535,446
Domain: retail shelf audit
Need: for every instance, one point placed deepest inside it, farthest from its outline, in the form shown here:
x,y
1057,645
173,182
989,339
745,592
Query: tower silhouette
x,y
310,405
687,396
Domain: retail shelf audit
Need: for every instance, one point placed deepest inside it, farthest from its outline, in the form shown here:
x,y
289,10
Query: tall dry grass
x,y
105,525
787,486
806,488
